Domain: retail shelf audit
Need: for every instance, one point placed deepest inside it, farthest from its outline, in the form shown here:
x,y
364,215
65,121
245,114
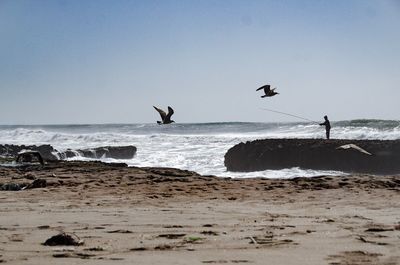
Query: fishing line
x,y
288,114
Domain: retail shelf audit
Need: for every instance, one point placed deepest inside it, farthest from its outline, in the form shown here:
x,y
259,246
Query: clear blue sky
x,y
109,61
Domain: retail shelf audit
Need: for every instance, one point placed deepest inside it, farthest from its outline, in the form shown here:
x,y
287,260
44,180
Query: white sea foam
x,y
196,147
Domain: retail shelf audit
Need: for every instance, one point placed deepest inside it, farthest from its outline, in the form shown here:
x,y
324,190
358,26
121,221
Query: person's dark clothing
x,y
327,127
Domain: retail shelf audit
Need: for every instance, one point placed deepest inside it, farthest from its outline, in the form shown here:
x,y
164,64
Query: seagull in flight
x,y
165,118
356,147
268,91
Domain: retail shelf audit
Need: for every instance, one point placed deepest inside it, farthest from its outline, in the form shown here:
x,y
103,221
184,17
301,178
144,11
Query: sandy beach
x,y
187,132
169,216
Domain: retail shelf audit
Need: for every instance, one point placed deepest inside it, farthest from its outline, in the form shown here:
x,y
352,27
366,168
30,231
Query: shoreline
x,y
169,216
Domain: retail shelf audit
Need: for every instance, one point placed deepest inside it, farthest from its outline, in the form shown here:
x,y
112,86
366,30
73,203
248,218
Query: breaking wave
x,y
197,147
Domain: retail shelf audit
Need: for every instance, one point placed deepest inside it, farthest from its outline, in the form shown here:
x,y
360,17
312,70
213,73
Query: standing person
x,y
327,126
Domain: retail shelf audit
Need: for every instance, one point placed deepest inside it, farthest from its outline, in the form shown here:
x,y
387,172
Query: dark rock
x,y
116,152
47,151
11,187
69,153
37,183
315,154
29,155
63,239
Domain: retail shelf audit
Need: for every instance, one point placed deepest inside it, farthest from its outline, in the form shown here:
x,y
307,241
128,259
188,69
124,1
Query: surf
x,y
197,147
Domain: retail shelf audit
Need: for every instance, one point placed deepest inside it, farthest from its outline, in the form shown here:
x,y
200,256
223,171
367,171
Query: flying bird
x,y
165,118
355,147
268,91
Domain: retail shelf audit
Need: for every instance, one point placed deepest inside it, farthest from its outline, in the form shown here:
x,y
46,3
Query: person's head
x,y
325,117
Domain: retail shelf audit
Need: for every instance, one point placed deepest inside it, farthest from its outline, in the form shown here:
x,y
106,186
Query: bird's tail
x,y
159,122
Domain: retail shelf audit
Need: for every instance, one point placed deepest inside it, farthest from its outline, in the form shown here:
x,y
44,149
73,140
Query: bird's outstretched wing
x,y
266,88
273,91
170,112
162,113
356,147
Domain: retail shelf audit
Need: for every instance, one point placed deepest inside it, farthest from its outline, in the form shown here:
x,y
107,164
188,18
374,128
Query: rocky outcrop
x,y
49,153
116,152
46,150
380,157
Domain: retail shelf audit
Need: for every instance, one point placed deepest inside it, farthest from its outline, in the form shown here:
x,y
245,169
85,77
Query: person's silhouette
x,y
327,126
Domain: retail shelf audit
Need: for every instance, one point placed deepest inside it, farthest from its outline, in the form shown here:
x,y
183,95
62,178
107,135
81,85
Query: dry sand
x,y
168,216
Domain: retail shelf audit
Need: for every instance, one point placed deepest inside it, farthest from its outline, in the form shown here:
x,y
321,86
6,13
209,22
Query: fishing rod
x,y
288,114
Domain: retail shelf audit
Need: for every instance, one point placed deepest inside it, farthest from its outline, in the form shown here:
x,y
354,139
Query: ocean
x,y
198,147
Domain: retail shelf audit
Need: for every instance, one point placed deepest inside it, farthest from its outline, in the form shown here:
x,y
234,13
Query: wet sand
x,y
169,216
